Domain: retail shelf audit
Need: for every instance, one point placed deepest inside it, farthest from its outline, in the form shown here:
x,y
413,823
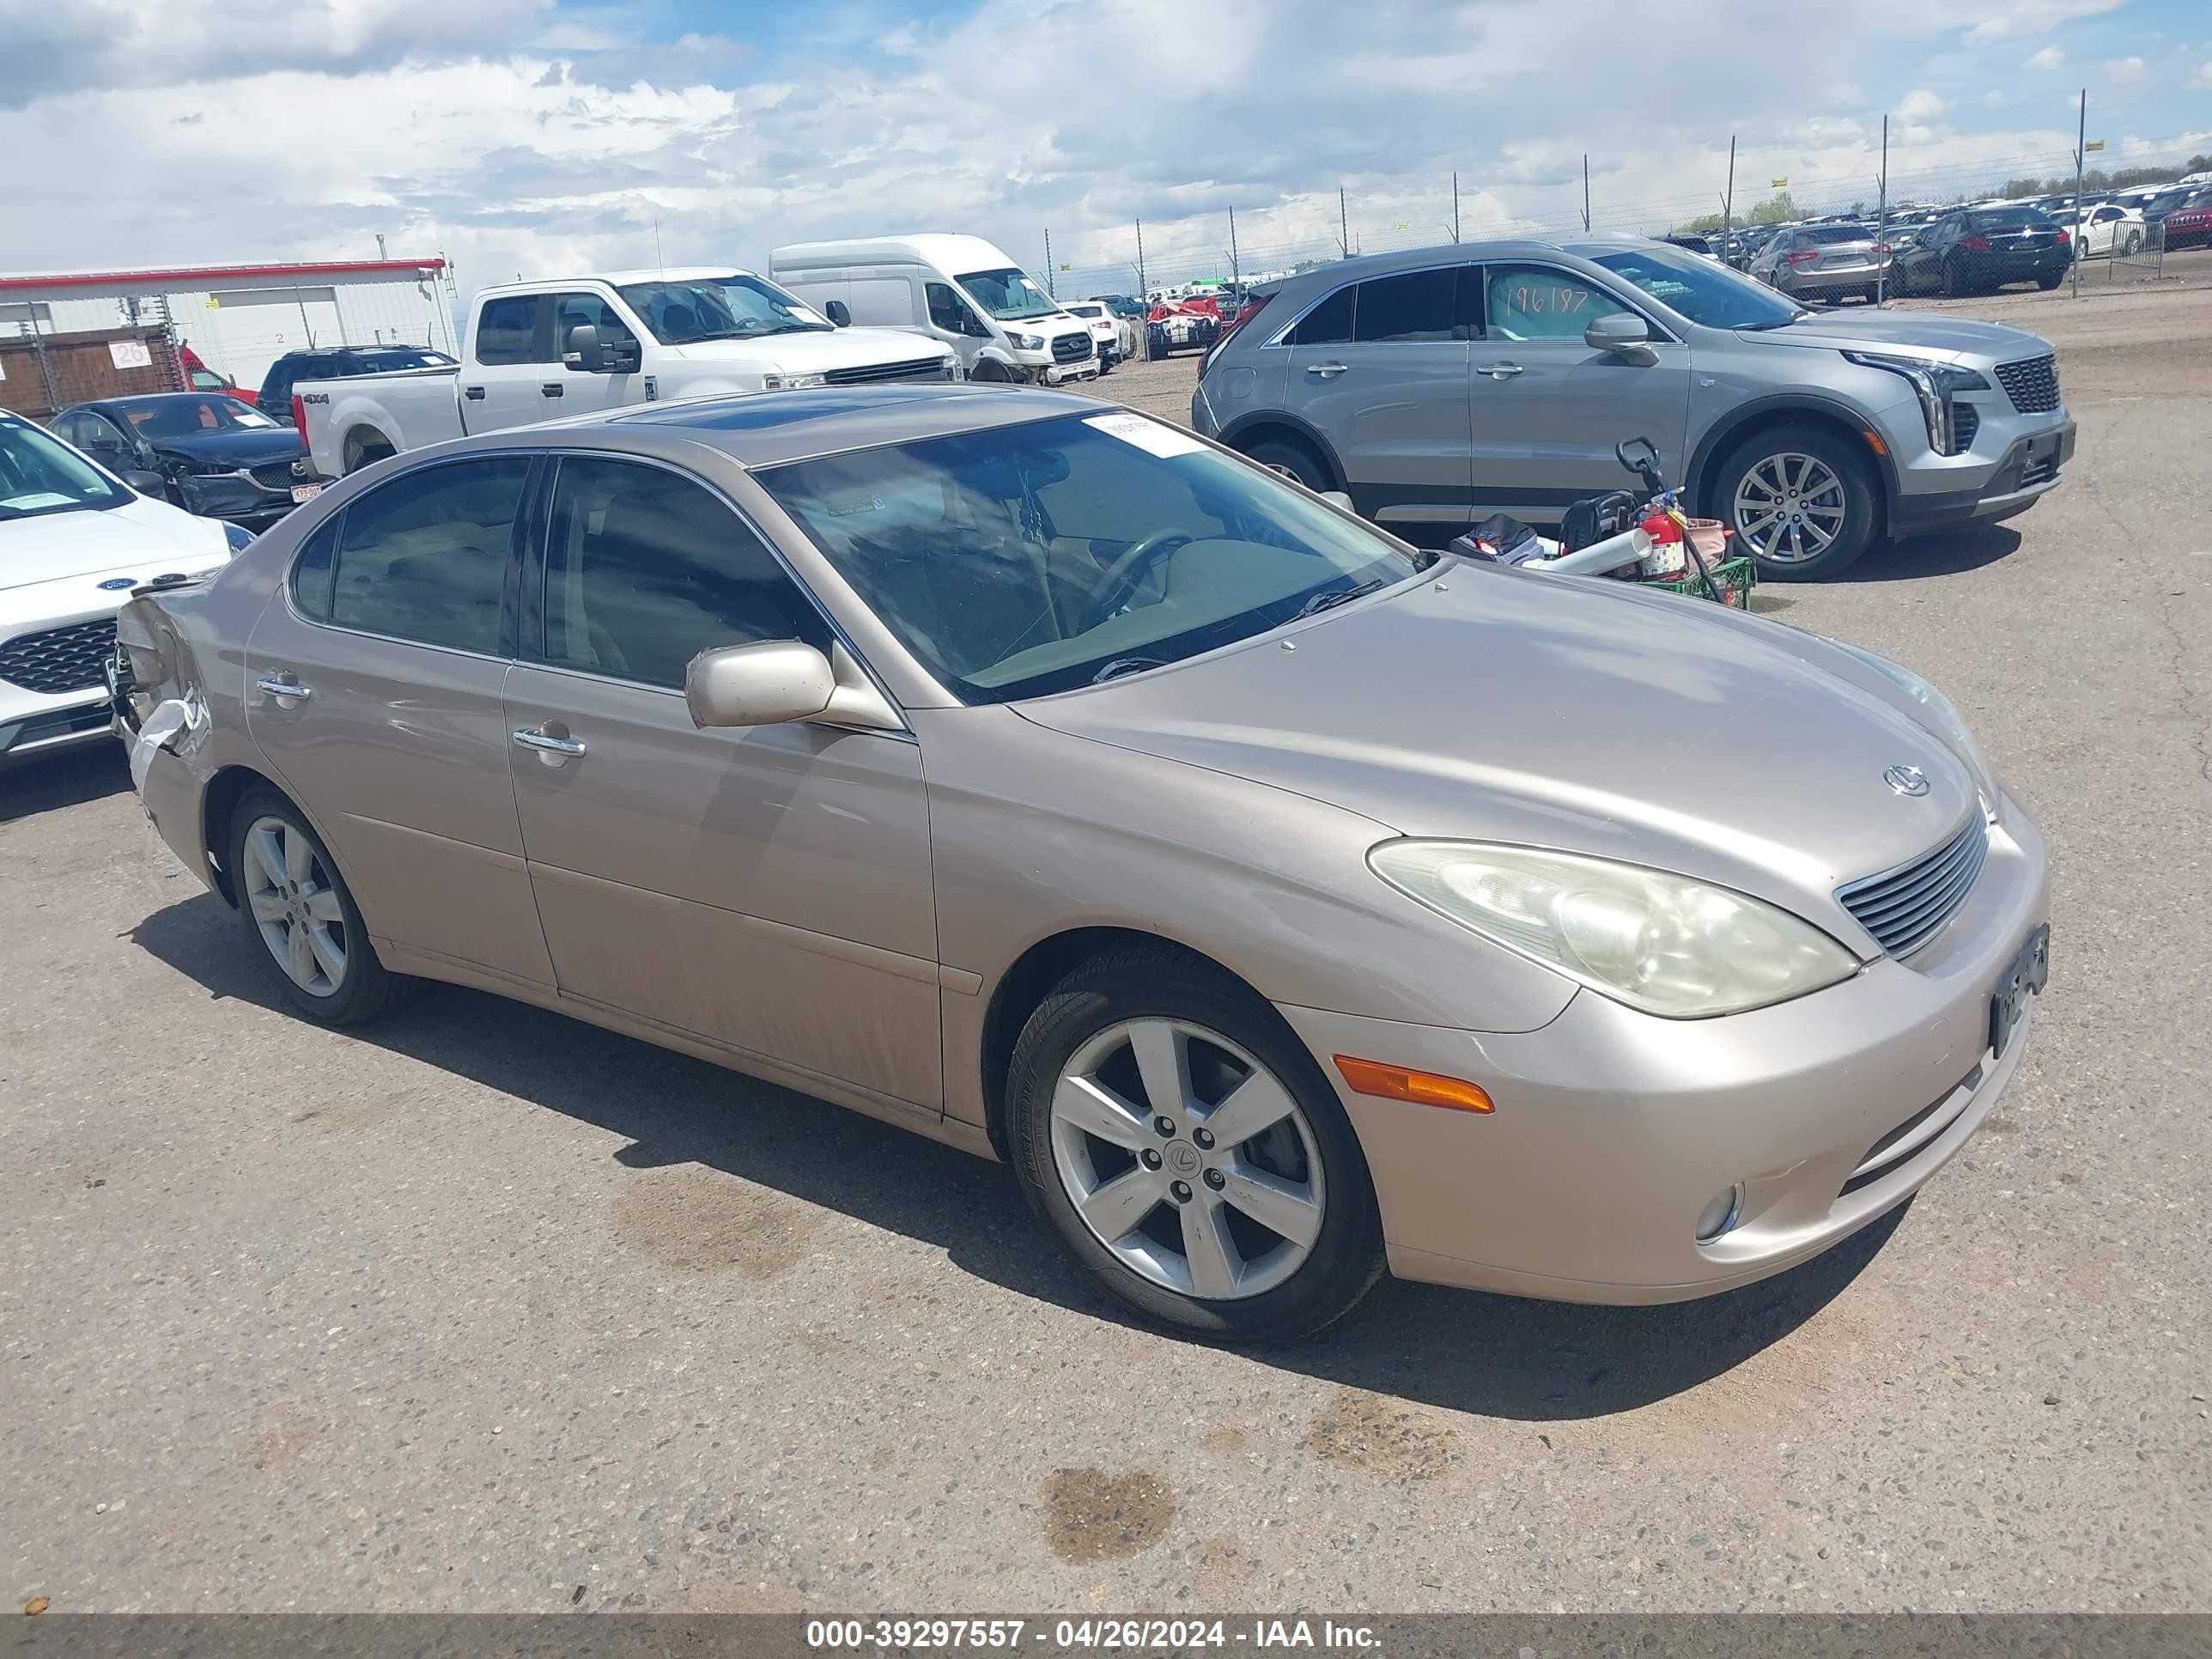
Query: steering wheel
x,y
1122,576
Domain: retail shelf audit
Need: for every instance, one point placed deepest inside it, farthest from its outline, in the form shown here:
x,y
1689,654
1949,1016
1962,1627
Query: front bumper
x,y
1614,1130
237,496
61,724
2029,467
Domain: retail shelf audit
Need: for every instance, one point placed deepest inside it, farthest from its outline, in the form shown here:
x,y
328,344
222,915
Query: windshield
x,y
1019,561
183,416
721,308
1706,294
1007,294
39,474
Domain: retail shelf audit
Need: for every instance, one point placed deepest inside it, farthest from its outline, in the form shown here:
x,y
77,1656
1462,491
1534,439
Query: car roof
x,y
767,430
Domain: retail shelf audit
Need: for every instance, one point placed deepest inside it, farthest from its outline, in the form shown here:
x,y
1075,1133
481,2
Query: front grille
x,y
914,368
1070,348
275,475
2032,384
1907,908
60,659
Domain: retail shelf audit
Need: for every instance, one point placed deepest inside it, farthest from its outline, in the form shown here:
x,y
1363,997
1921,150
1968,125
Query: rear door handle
x,y
283,687
1326,371
473,393
1498,371
551,388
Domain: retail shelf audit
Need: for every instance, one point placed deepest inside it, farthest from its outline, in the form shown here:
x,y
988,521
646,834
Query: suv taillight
x,y
299,414
1976,244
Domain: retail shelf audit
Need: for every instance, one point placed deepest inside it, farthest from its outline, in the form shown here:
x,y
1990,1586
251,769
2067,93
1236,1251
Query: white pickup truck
x,y
539,350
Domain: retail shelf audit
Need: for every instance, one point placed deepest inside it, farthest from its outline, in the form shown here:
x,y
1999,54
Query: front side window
x,y
572,311
734,307
948,311
1541,302
424,557
1008,294
644,569
39,475
506,330
1019,561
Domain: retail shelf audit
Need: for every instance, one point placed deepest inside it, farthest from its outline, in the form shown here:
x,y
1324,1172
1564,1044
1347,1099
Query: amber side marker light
x,y
1370,1077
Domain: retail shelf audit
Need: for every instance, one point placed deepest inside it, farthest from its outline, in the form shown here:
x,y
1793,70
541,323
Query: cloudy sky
x,y
541,137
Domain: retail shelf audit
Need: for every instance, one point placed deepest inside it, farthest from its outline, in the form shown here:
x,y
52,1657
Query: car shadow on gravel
x,y
47,783
1949,553
1490,1355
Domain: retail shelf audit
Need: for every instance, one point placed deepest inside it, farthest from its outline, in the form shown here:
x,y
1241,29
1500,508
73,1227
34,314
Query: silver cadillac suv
x,y
1437,386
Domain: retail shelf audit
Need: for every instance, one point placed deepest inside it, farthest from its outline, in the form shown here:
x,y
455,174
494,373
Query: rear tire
x,y
1836,496
1954,285
300,917
1293,459
2046,284
1276,1285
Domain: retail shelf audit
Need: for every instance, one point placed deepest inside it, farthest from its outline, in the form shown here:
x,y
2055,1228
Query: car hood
x,y
812,353
141,540
1565,713
246,448
1906,334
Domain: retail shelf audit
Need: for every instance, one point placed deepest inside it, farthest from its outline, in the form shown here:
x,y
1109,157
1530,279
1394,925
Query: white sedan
x,y
75,539
2109,229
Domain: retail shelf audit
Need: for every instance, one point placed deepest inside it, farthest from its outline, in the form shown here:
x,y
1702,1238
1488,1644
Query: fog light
x,y
1723,1214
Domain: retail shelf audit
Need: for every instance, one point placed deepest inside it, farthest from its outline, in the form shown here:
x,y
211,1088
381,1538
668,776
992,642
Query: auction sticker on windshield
x,y
1151,436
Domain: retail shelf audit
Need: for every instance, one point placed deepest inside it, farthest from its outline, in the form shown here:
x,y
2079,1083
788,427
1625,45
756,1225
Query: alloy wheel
x,y
1187,1159
1789,507
295,906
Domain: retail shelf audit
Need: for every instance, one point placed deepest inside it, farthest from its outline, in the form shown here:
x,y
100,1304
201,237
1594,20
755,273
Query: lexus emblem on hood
x,y
1906,780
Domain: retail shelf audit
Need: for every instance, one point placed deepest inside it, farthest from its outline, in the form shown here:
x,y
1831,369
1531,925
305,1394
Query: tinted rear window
x,y
2008,218
1825,234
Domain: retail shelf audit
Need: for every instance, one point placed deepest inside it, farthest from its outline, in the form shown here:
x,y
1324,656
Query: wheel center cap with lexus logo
x,y
1182,1157
1906,780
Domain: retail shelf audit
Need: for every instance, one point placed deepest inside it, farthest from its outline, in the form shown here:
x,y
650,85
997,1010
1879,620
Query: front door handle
x,y
473,393
554,748
1498,371
551,388
1326,371
286,689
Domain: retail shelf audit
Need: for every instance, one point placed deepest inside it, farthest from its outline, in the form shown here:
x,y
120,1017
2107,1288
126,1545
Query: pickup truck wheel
x,y
1798,499
365,448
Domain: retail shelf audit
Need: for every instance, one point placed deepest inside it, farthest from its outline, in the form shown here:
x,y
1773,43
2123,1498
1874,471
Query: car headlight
x,y
1662,943
238,536
776,380
1026,341
1942,717
1935,383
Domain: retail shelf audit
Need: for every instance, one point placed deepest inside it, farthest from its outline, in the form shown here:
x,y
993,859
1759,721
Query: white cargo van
x,y
959,289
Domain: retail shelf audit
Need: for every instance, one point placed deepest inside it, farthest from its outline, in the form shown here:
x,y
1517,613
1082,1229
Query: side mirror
x,y
1338,498
145,483
1622,333
766,683
584,351
838,313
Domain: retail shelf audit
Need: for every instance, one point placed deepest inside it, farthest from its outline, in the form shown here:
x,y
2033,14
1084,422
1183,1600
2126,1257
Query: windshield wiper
x,y
1121,666
1335,596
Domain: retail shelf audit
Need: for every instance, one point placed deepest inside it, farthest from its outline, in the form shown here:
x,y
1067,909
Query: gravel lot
x,y
487,1309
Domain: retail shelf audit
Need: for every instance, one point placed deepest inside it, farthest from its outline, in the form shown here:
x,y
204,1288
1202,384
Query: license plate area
x,y
305,492
2029,972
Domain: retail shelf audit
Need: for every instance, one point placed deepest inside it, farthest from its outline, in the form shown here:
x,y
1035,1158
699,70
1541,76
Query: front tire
x,y
1251,1216
1798,498
1953,282
296,910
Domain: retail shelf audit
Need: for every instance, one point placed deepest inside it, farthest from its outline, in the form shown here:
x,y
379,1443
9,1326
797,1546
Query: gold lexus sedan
x,y
1279,902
